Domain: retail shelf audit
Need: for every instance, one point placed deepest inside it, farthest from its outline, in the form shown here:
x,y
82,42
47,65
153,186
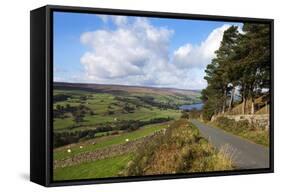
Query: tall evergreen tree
x,y
254,50
242,62
219,74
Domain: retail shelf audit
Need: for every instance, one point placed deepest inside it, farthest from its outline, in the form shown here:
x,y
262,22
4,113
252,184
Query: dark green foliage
x,y
64,138
131,125
78,116
128,100
83,98
128,109
242,62
68,137
195,114
185,115
151,101
60,97
110,112
78,112
103,128
218,75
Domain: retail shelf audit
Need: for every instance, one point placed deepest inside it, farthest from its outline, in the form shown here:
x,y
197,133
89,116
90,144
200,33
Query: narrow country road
x,y
247,155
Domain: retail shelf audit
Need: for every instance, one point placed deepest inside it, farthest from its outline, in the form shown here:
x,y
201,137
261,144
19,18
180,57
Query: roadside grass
x,y
180,149
220,160
243,129
109,167
61,153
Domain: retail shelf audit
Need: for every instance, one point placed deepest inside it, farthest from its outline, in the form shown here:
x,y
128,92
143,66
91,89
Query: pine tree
x,y
242,62
219,74
254,48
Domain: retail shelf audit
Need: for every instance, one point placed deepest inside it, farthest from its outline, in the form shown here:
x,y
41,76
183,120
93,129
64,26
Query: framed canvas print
x,y
123,95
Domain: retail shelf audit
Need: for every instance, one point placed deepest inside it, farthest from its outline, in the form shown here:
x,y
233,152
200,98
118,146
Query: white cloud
x,y
125,51
198,56
104,18
213,41
137,53
117,20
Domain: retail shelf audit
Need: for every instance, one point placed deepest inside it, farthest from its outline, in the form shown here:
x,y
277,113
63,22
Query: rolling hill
x,y
106,88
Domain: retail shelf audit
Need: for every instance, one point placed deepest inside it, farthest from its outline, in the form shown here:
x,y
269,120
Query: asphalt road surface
x,y
246,155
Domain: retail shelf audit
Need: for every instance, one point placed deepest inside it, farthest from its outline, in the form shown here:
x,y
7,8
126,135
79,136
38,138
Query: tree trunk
x,y
224,101
244,104
252,94
252,105
231,99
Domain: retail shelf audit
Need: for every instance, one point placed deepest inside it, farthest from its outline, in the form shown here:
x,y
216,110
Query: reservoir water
x,y
197,106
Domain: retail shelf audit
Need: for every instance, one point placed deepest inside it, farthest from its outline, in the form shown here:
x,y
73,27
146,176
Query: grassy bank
x,y
179,149
244,129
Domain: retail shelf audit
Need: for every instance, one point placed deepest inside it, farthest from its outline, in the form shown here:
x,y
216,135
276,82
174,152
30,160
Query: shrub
x,y
68,137
109,112
194,114
60,97
208,111
185,115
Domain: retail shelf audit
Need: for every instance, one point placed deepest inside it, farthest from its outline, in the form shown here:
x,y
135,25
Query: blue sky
x,y
134,50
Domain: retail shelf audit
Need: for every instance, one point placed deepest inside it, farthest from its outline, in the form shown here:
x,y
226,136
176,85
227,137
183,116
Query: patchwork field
x,y
98,130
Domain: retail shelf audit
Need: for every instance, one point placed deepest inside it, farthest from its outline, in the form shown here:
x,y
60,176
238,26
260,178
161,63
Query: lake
x,y
197,106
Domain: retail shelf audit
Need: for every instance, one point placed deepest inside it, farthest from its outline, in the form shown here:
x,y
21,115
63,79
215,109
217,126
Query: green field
x,y
100,103
97,169
89,120
61,153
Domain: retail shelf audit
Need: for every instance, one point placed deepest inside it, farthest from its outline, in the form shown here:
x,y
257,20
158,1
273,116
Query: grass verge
x,y
180,149
244,129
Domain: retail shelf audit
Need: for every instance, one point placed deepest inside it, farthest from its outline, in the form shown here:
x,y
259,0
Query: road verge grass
x,y
244,129
178,149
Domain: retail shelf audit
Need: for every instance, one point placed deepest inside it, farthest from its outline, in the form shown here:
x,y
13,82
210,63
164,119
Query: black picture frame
x,y
41,58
